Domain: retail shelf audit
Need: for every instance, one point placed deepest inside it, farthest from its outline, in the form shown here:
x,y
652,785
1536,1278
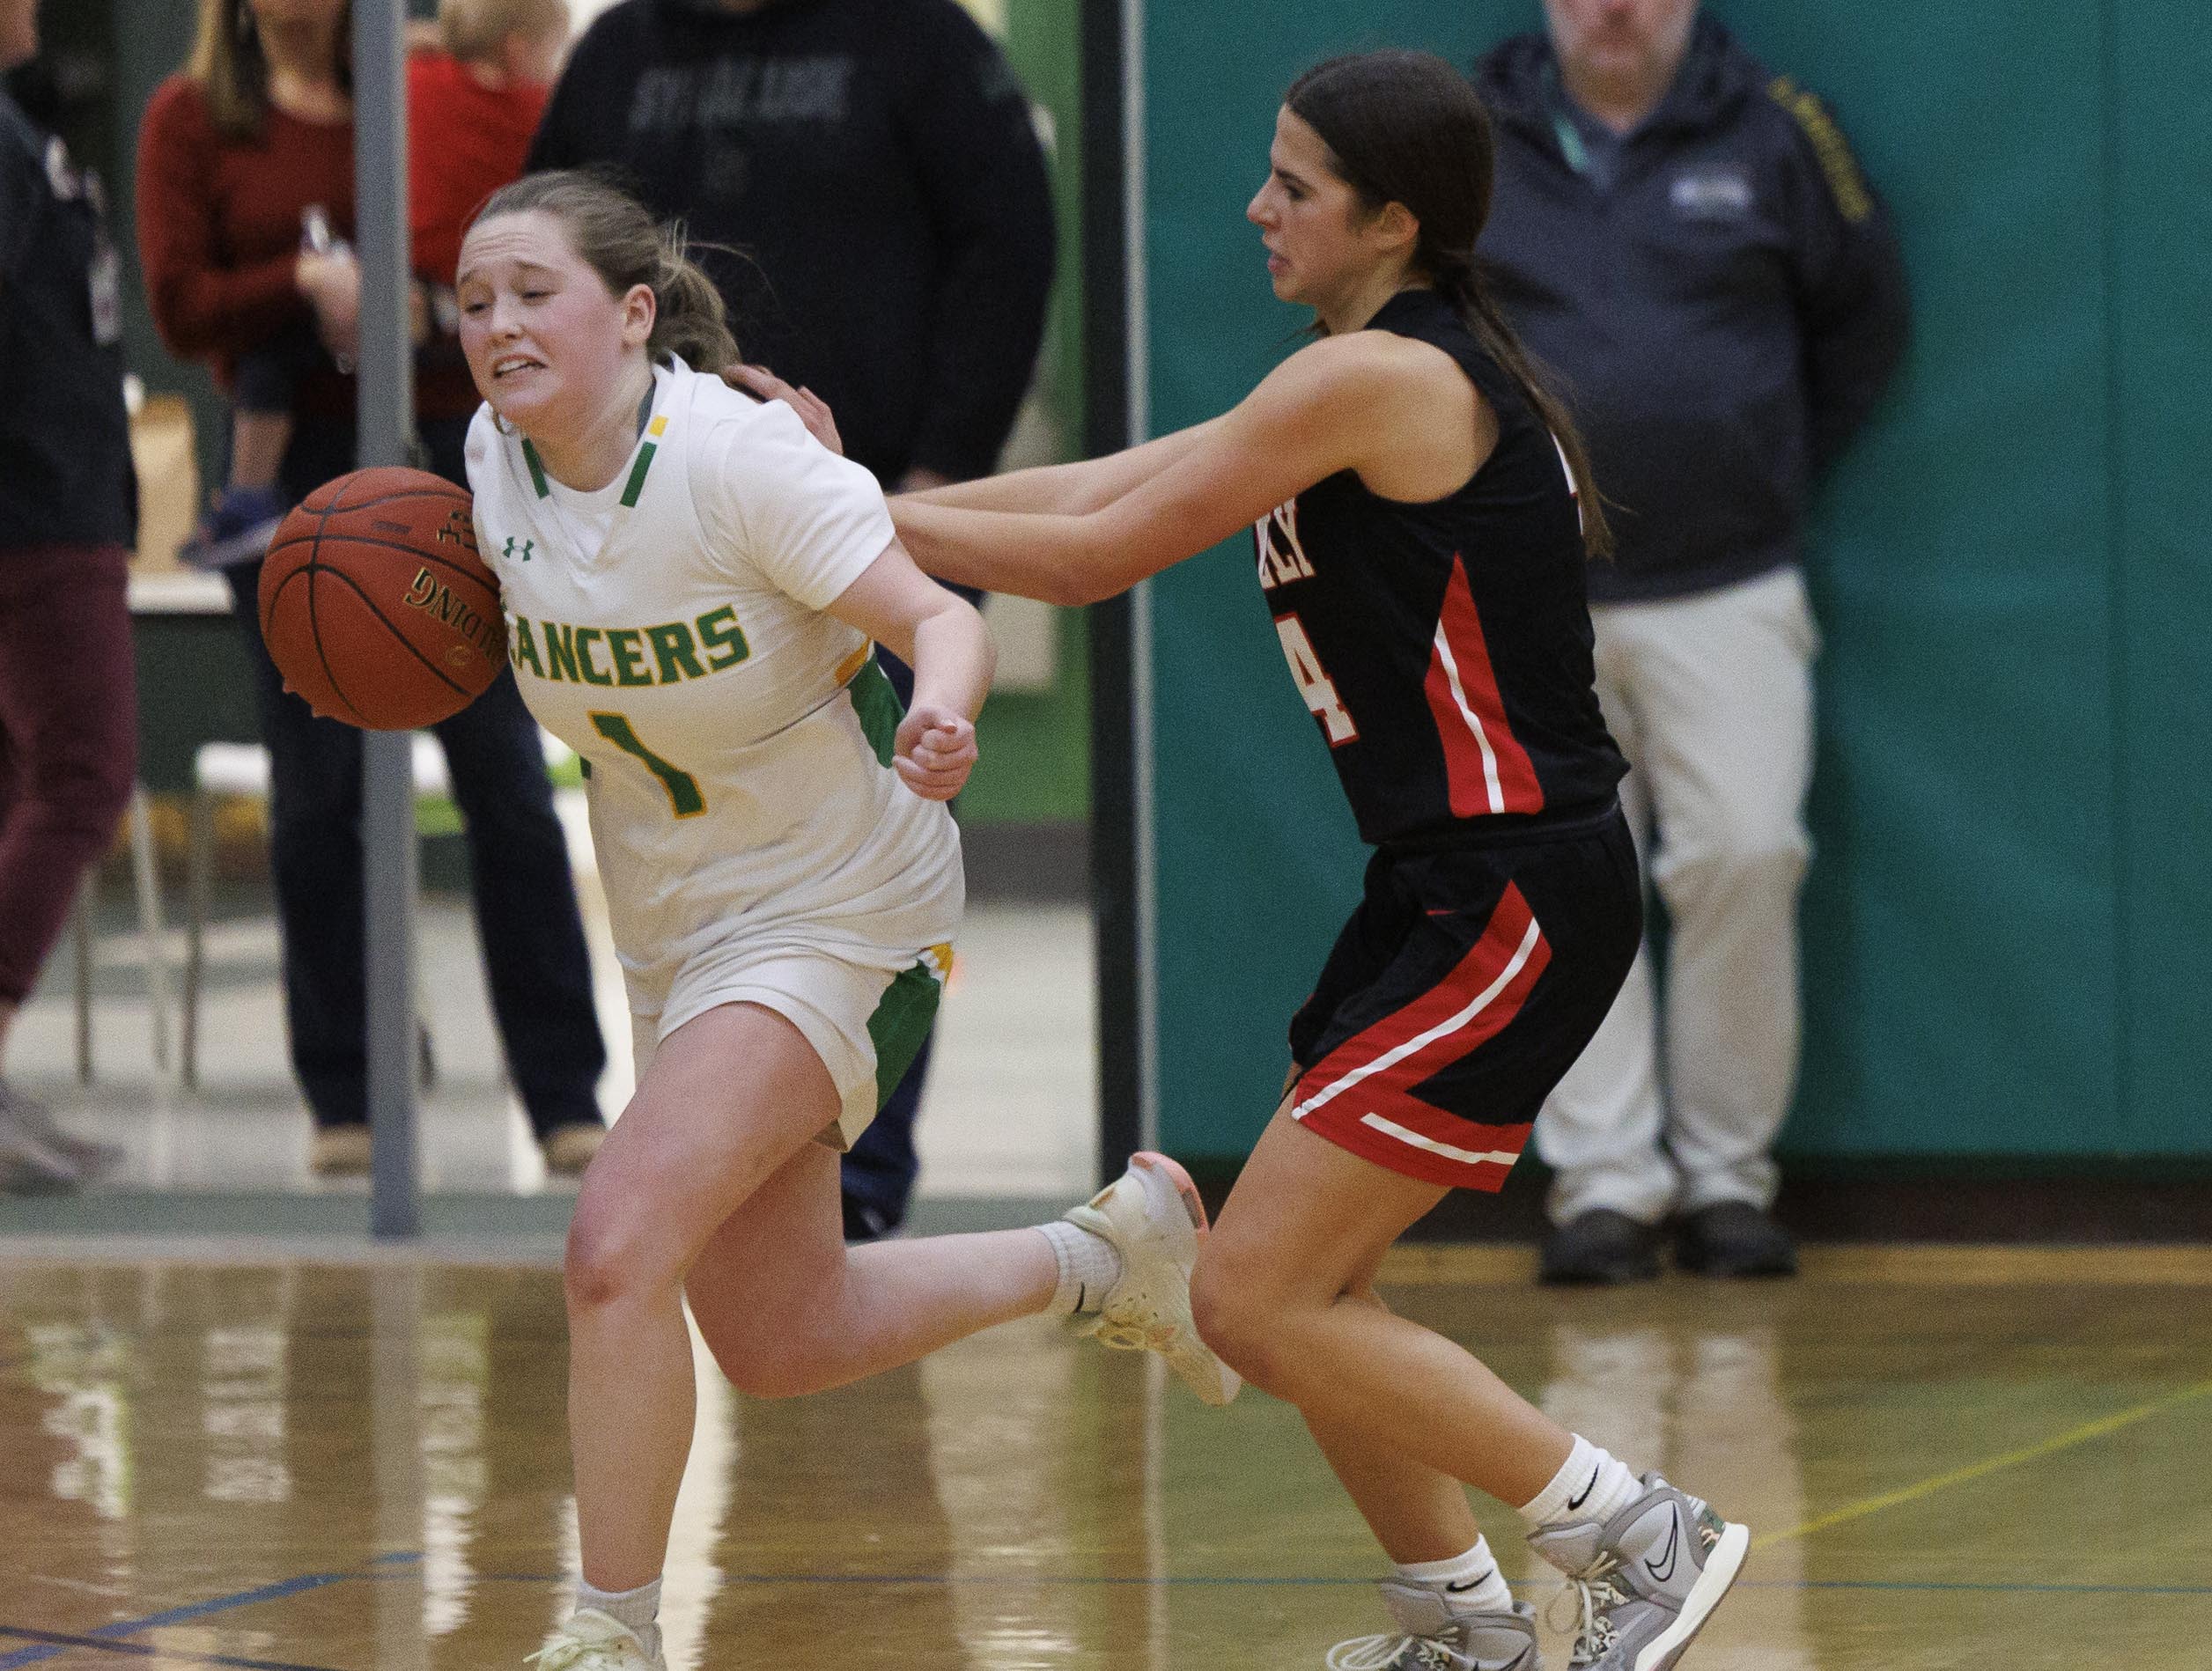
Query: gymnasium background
x,y
2009,946
2009,921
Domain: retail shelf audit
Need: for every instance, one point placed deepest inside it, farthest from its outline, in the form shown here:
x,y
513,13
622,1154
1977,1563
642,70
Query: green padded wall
x,y
2009,918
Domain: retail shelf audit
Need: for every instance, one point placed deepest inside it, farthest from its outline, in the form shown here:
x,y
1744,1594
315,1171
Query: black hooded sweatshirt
x,y
1720,293
875,160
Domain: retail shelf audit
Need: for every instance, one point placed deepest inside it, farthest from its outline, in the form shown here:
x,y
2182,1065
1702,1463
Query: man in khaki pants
x,y
1687,238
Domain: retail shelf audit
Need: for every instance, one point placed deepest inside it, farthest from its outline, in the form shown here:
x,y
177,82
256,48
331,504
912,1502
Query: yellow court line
x,y
2067,1440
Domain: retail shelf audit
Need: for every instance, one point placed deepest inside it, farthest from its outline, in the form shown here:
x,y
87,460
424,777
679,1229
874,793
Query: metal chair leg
x,y
198,860
149,884
87,899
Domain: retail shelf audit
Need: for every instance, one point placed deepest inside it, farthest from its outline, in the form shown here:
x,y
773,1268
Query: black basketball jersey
x,y
1445,647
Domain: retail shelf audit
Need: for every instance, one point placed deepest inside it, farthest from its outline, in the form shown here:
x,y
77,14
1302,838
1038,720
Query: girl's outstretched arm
x,y
1068,489
943,639
1364,403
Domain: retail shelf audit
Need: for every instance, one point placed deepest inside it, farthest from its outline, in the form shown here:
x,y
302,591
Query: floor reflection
x,y
334,1465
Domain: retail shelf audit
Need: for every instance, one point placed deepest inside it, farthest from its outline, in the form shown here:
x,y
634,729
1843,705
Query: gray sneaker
x,y
88,1158
29,1164
1431,1636
1648,1578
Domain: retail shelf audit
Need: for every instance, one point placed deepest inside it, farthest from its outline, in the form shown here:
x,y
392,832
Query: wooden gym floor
x,y
1950,1458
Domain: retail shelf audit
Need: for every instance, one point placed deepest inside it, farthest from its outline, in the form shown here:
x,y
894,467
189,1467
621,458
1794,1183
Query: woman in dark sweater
x,y
255,132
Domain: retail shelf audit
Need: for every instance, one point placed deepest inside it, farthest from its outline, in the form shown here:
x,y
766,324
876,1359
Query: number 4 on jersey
x,y
1314,683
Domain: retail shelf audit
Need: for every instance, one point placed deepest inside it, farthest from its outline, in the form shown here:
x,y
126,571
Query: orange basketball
x,y
375,604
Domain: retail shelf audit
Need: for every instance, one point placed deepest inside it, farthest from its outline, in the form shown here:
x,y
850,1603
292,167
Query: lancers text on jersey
x,y
666,654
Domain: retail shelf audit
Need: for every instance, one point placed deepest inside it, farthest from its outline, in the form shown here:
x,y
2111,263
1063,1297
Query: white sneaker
x,y
1152,1219
596,1641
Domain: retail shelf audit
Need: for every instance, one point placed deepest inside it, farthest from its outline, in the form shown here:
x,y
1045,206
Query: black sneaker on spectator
x,y
1600,1247
1734,1239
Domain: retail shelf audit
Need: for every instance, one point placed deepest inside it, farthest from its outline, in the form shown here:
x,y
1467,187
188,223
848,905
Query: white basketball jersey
x,y
669,628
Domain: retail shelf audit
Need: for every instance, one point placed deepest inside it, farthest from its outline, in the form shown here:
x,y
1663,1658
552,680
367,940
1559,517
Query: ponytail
x,y
1458,280
690,320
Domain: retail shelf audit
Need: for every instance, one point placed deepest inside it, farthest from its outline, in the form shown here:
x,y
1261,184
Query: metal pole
x,y
388,790
1116,416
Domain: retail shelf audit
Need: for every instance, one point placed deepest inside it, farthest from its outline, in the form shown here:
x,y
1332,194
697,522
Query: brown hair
x,y
474,30
232,70
619,240
1406,128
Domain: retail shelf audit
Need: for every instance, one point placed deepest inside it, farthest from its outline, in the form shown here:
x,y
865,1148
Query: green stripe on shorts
x,y
878,706
902,1021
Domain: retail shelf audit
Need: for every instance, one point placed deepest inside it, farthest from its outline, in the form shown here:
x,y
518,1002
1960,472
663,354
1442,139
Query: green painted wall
x,y
2010,923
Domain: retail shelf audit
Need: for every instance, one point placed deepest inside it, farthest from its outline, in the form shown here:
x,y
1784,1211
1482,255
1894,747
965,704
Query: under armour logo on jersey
x,y
1281,557
509,553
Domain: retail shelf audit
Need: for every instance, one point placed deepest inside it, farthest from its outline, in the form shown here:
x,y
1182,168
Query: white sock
x,y
1088,1267
1591,1485
639,1608
1471,1582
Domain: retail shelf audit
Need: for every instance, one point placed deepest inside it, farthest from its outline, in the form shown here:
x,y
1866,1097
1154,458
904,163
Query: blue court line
x,y
62,1642
109,1635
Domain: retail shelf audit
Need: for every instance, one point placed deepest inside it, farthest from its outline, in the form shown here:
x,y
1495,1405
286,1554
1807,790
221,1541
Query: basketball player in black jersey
x,y
1422,513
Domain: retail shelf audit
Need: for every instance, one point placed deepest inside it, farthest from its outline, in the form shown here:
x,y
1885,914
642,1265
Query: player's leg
x,y
787,1309
726,1100
1277,1295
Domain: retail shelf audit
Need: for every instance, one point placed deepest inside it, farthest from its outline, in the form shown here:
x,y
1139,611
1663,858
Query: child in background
x,y
473,102
472,108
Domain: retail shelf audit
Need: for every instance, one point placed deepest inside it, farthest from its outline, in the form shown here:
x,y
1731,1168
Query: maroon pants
x,y
69,741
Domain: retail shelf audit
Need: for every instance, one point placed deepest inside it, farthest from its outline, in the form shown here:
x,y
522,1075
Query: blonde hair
x,y
232,71
618,239
474,30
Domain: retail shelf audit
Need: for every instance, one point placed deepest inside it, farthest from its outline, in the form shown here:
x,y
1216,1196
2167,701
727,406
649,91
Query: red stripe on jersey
x,y
1377,1068
1485,765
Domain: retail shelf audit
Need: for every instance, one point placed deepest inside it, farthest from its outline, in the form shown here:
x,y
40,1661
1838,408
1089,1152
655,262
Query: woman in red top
x,y
255,132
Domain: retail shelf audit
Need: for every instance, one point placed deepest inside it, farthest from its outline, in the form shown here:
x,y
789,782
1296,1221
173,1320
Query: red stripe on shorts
x,y
1360,1095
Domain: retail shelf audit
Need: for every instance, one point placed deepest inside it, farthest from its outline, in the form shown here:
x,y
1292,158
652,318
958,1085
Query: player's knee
x,y
607,1260
1229,1304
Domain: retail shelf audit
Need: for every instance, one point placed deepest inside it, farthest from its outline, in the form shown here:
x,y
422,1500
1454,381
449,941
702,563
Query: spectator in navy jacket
x,y
1686,237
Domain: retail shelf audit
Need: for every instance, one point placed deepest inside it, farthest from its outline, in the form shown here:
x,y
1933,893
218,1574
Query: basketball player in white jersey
x,y
693,584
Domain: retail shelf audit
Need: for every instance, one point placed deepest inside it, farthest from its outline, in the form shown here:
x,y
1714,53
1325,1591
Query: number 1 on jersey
x,y
683,789
1314,683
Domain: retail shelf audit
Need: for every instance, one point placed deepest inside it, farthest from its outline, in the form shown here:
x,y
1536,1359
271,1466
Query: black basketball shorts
x,y
1465,985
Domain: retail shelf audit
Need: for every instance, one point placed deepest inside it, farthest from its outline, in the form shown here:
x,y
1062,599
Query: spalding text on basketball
x,y
434,597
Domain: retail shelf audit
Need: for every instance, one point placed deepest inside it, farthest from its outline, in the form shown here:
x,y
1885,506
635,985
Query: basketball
x,y
375,604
